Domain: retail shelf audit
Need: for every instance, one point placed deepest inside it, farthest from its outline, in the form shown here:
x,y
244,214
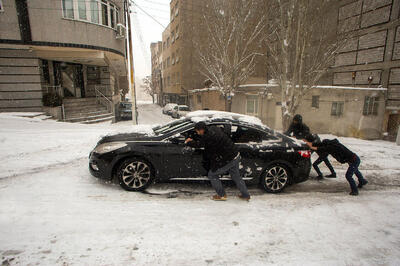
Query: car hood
x,y
128,137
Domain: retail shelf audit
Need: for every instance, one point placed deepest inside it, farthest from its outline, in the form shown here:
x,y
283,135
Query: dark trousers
x,y
323,158
233,169
353,169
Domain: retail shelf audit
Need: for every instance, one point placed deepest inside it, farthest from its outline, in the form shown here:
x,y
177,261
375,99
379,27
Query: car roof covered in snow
x,y
211,115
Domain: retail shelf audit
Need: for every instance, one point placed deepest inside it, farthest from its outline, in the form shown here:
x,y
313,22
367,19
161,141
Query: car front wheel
x,y
275,178
135,174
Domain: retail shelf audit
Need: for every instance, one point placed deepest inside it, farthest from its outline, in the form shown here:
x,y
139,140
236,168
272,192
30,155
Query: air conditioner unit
x,y
121,31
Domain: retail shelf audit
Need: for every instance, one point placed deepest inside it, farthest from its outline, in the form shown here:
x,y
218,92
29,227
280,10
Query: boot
x,y
362,183
219,198
333,175
246,198
354,193
319,177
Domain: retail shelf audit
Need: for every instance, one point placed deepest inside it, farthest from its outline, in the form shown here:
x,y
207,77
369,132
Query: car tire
x,y
135,174
275,178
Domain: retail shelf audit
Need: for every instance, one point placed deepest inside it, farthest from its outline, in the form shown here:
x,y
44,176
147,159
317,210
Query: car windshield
x,y
126,105
184,108
174,125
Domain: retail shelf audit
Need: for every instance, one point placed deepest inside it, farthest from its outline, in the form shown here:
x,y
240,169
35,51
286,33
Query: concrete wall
x,y
9,28
20,88
48,25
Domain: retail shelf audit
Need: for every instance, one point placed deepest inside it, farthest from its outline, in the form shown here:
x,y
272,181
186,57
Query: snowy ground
x,y
53,212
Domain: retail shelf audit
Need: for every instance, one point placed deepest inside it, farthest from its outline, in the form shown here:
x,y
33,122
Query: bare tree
x,y
227,54
301,48
149,88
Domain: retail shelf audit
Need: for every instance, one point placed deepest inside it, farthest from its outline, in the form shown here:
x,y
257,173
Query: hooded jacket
x,y
338,151
219,149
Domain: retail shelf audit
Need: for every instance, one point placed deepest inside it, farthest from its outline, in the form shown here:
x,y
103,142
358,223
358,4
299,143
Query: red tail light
x,y
305,154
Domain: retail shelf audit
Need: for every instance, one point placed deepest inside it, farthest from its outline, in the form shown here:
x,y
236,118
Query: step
x,y
85,114
84,119
71,105
85,109
98,120
76,100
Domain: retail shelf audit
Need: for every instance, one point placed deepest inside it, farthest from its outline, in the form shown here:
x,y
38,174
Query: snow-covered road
x,y
53,212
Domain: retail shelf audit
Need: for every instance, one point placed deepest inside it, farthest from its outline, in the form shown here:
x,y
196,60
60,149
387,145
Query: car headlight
x,y
107,147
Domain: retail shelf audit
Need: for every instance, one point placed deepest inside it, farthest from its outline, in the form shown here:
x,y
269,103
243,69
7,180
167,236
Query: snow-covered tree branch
x,y
234,31
300,48
148,87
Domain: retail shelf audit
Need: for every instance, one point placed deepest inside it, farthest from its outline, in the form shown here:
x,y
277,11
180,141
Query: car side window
x,y
242,134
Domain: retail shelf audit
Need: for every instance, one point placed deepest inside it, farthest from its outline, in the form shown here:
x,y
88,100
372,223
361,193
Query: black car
x,y
268,158
124,111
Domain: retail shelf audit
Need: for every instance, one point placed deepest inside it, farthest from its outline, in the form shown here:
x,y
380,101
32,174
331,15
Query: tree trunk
x,y
228,105
152,96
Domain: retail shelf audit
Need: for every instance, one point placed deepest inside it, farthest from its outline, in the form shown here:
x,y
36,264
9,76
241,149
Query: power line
x,y
144,11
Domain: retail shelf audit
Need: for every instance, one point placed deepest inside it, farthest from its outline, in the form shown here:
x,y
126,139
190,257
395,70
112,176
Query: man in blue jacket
x,y
343,155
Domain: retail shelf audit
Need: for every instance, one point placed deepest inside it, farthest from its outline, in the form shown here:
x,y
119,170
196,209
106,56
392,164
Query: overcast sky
x,y
151,31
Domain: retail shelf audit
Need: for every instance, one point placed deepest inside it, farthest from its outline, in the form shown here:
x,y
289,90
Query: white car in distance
x,y
180,110
167,110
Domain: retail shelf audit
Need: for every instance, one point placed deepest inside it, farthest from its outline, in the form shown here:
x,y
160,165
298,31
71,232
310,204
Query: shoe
x,y
331,176
362,183
354,193
244,198
219,198
320,177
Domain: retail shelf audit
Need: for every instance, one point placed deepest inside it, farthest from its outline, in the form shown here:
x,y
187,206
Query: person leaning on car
x,y
298,128
222,156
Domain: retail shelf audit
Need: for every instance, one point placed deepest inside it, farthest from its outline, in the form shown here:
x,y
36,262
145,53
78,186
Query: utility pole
x,y
131,66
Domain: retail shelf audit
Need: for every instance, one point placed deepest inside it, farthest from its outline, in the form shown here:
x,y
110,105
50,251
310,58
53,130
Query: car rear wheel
x,y
275,178
135,174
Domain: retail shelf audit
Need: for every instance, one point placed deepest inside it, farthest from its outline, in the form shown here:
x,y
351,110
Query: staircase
x,y
86,111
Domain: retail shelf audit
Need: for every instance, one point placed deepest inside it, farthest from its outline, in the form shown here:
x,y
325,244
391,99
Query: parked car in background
x,y
167,110
124,111
180,110
269,158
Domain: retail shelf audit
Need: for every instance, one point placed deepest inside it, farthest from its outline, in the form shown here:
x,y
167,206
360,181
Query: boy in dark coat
x,y
322,157
222,156
298,128
343,155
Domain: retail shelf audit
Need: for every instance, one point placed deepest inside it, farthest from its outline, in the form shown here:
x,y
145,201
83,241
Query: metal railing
x,y
101,98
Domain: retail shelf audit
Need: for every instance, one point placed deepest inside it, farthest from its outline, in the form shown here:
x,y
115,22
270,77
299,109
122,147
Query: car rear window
x,y
184,108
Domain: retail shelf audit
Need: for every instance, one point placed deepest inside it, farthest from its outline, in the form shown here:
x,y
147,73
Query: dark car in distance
x,y
124,111
269,158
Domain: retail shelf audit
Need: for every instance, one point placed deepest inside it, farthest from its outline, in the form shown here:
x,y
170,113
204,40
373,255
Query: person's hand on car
x,y
188,140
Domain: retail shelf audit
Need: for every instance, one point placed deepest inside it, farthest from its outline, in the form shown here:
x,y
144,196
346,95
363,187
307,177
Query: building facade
x,y
372,58
72,46
156,75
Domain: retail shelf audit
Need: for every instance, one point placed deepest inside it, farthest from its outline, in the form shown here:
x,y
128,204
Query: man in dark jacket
x,y
223,157
298,128
322,157
343,155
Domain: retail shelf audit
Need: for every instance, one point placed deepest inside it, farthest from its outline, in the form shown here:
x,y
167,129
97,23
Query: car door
x,y
180,160
254,148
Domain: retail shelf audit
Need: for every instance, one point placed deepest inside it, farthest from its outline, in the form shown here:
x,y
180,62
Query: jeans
x,y
353,169
326,161
233,168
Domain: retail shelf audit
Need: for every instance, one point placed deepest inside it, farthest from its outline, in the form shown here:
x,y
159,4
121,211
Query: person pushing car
x,y
223,157
343,155
298,128
322,157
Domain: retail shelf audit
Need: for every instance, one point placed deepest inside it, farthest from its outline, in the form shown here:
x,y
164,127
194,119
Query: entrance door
x,y
79,80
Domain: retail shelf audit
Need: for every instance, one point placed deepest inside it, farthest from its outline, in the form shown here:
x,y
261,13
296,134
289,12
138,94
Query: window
x,y
241,134
168,61
252,104
168,42
168,81
45,70
112,16
68,8
94,11
104,13
178,78
173,36
198,98
1,6
315,102
337,108
177,32
371,105
82,9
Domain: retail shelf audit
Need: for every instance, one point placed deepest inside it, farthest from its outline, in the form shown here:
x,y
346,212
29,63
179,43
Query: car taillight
x,y
305,154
